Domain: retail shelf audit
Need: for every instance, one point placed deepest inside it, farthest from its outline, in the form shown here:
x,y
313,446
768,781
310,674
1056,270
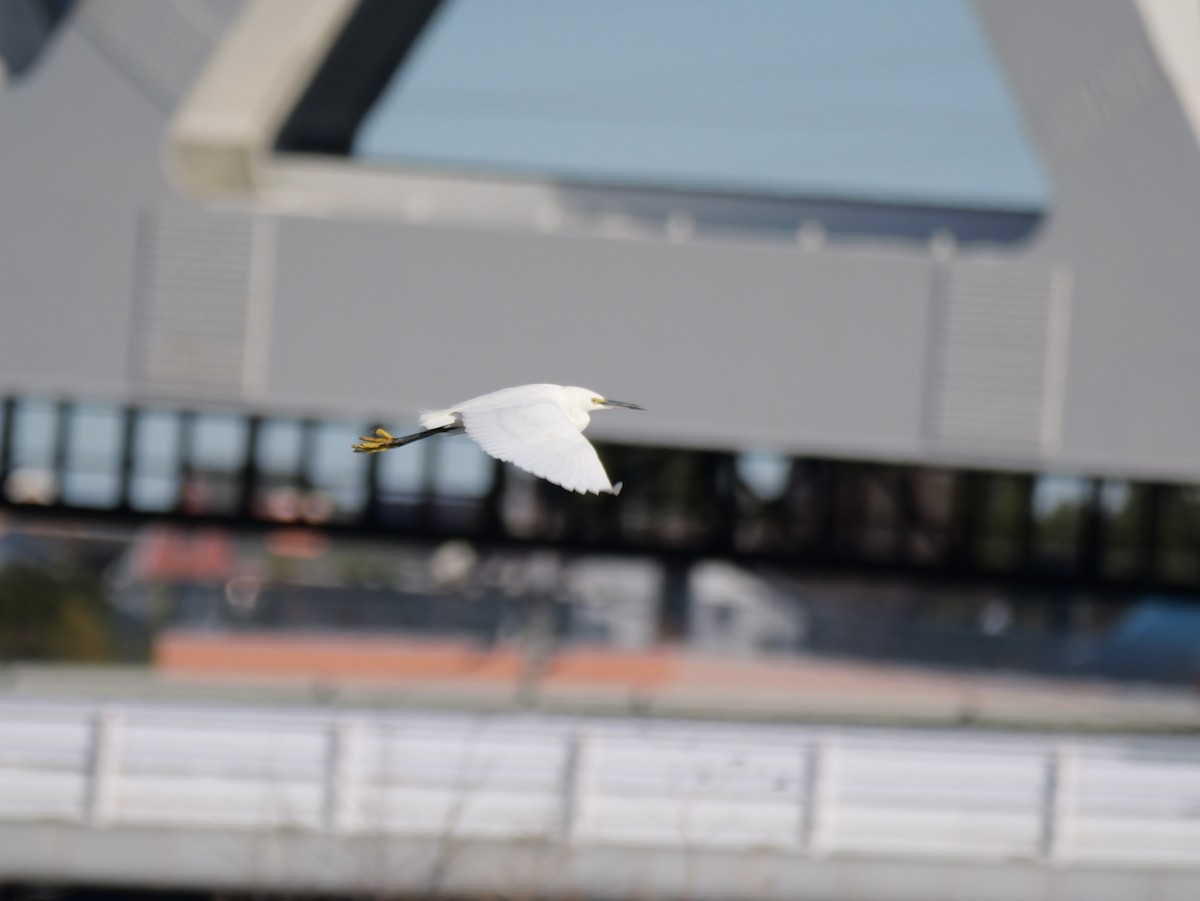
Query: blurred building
x,y
910,292
908,299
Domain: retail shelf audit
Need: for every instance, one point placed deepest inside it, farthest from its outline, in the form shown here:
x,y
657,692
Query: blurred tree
x,y
1004,507
1179,536
1058,534
48,616
1125,506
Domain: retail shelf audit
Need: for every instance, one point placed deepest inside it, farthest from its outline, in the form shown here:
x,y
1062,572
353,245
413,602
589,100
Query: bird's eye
x,y
597,400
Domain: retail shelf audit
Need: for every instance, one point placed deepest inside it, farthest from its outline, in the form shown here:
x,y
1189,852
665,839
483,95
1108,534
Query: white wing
x,y
538,437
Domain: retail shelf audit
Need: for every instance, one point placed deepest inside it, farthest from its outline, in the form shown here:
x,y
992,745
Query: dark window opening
x,y
26,28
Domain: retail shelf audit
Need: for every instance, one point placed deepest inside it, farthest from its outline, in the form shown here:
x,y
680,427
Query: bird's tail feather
x,y
381,440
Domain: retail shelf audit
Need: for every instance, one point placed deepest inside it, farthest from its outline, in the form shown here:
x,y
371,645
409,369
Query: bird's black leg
x,y
382,441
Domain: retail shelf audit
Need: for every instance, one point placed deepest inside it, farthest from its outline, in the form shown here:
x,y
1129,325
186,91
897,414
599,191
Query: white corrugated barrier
x,y
702,788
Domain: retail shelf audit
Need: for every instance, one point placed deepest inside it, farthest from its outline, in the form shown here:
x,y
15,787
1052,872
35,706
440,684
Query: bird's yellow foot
x,y
373,444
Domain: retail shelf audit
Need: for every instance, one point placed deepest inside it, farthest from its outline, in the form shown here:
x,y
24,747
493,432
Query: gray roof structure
x,y
155,245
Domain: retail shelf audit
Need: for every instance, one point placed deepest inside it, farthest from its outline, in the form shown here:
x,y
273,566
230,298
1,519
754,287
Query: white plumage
x,y
537,428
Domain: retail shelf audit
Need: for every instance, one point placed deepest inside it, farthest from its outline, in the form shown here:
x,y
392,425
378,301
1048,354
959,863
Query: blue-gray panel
x,y
864,99
726,344
79,155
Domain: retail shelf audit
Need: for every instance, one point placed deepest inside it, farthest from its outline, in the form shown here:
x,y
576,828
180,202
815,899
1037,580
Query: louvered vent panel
x,y
195,330
998,357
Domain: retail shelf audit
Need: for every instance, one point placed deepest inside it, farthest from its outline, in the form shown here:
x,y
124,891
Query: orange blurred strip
x,y
397,660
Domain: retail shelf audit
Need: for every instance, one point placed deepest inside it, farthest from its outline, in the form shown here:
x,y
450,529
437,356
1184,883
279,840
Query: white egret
x,y
537,428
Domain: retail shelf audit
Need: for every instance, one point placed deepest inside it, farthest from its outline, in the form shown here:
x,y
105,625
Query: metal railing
x,y
795,791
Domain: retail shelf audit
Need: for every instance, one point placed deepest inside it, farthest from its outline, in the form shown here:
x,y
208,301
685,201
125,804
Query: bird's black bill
x,y
621,403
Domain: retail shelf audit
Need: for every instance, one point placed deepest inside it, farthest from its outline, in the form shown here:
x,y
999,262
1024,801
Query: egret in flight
x,y
537,428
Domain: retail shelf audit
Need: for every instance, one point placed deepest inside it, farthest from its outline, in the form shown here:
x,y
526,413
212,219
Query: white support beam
x,y
227,124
